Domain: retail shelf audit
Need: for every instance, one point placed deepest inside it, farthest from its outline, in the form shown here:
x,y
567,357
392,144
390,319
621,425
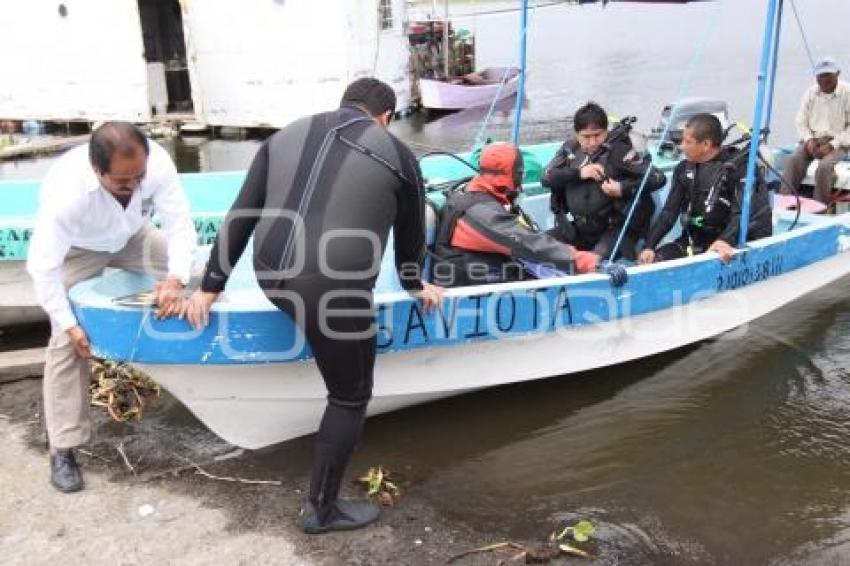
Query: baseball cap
x,y
826,65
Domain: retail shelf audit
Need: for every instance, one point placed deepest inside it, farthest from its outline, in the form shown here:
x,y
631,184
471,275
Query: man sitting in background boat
x,y
707,192
484,237
594,178
823,124
96,205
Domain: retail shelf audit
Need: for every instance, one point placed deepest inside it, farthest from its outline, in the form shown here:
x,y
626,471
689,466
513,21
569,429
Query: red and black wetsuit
x,y
484,238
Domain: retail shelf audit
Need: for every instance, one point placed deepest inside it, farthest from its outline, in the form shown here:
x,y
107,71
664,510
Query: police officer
x,y
319,196
707,193
484,237
594,177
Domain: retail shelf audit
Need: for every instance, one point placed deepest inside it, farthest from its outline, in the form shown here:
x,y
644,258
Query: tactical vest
x,y
593,211
453,266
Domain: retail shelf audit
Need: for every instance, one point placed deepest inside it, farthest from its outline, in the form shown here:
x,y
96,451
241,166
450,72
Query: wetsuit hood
x,y
501,171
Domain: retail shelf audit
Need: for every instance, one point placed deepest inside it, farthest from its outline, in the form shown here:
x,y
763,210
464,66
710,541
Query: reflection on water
x,y
732,451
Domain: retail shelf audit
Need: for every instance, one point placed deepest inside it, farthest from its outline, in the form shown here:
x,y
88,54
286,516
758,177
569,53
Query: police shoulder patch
x,y
632,156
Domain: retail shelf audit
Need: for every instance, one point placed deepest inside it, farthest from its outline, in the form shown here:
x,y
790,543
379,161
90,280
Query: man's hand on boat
x,y
430,295
169,297
647,256
724,250
80,341
196,309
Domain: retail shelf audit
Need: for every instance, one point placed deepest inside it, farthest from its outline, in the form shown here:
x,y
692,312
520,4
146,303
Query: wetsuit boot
x,y
325,512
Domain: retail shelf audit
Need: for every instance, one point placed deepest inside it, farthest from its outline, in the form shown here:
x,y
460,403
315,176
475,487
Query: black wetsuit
x,y
320,197
704,222
597,218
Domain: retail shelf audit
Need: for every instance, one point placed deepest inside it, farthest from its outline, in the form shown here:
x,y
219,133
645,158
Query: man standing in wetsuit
x,y
320,198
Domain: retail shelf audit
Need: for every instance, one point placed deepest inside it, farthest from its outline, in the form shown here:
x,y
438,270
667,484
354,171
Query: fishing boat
x,y
472,90
210,196
249,376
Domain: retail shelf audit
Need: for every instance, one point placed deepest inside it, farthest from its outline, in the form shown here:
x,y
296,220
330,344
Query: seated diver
x,y
484,237
594,178
707,192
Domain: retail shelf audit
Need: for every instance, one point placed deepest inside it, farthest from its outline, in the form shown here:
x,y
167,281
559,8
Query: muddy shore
x,y
155,507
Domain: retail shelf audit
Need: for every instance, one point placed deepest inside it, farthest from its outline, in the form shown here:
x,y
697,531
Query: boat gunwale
x,y
810,223
98,308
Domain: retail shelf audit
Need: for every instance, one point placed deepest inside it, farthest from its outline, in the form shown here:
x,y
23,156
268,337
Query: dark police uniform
x,y
588,218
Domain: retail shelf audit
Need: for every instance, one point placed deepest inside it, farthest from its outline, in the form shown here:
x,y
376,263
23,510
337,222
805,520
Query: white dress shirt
x,y
823,115
75,210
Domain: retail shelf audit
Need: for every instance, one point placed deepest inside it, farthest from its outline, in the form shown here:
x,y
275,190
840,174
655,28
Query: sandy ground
x,y
103,523
167,513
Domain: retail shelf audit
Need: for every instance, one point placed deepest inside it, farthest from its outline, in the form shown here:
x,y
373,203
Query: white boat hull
x,y
18,304
261,404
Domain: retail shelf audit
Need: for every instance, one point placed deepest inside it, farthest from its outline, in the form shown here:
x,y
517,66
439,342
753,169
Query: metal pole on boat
x,y
520,93
446,55
774,60
758,119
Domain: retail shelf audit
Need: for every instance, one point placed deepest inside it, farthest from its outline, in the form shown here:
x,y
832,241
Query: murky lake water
x,y
731,451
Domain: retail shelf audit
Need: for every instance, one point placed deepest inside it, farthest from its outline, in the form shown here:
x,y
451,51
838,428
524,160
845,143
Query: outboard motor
x,y
685,110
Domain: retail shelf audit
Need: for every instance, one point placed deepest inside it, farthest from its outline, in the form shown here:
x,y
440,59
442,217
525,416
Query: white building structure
x,y
241,63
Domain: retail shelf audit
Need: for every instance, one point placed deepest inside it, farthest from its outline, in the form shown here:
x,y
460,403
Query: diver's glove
x,y
616,272
585,262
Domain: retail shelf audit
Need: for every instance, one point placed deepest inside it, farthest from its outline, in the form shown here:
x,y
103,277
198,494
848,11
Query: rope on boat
x,y
479,137
803,34
684,87
122,389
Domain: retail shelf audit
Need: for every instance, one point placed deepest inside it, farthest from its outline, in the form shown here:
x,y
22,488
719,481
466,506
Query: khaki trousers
x,y
798,163
66,375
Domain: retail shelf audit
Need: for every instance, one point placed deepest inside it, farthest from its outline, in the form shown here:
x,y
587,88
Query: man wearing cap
x,y
823,125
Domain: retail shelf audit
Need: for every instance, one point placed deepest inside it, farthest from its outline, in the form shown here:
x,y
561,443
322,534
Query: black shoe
x,y
64,472
342,516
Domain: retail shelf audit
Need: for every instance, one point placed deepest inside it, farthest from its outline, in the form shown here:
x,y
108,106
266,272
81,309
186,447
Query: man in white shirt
x,y
823,125
95,210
